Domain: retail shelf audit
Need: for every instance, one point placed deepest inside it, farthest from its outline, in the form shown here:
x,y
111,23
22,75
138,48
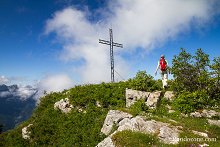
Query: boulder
x,y
168,106
200,133
25,133
171,111
195,114
209,113
205,113
214,122
107,142
133,96
113,117
153,99
63,105
80,110
98,104
184,115
169,95
164,131
168,135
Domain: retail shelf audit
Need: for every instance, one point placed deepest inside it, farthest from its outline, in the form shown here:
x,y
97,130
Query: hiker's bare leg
x,y
162,77
165,79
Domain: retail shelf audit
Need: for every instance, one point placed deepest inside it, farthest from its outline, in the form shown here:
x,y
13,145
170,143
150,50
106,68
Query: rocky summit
x,y
111,115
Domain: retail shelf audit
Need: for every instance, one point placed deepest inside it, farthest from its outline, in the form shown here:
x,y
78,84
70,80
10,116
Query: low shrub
x,y
138,107
144,82
187,102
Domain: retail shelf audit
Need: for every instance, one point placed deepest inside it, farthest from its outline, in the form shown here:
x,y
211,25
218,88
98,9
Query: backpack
x,y
163,64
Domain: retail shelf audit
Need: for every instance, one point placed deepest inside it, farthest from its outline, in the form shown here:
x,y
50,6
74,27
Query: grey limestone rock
x,y
205,113
107,142
64,105
153,99
214,122
164,131
169,95
113,116
133,96
25,133
200,133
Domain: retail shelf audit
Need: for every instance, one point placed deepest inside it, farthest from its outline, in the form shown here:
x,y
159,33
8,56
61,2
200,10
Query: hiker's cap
x,y
162,56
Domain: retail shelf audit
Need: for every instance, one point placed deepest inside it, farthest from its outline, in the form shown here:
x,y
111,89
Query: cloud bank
x,y
52,83
17,91
4,80
49,83
55,83
137,24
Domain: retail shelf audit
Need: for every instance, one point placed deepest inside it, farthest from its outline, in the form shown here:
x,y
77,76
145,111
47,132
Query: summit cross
x,y
111,44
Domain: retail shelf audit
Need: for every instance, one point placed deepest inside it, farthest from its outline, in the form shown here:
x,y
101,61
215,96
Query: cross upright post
x,y
111,44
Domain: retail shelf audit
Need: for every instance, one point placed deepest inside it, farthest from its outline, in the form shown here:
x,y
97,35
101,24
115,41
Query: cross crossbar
x,y
108,43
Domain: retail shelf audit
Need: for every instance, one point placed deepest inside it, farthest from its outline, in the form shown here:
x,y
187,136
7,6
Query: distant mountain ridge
x,y
16,104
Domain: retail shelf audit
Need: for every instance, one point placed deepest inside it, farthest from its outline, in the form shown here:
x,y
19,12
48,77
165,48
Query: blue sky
x,y
59,38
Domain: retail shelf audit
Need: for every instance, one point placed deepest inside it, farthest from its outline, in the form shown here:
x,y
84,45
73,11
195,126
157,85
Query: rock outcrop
x,y
164,131
133,96
205,113
25,133
151,98
113,117
169,95
63,105
214,122
107,142
98,104
200,133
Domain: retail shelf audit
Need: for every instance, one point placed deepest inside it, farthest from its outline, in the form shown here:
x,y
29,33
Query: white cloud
x,y
18,91
142,24
55,83
24,92
50,83
5,94
4,80
145,23
81,42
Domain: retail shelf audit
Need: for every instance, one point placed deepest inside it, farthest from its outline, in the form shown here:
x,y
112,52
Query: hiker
x,y
163,64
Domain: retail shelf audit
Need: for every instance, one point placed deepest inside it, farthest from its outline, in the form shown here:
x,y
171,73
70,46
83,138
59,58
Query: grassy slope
x,y
53,128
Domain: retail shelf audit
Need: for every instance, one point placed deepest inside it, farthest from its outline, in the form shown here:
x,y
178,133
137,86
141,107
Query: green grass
x,y
134,139
188,138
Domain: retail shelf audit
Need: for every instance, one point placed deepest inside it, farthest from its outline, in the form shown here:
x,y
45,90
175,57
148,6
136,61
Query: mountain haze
x,y
16,104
